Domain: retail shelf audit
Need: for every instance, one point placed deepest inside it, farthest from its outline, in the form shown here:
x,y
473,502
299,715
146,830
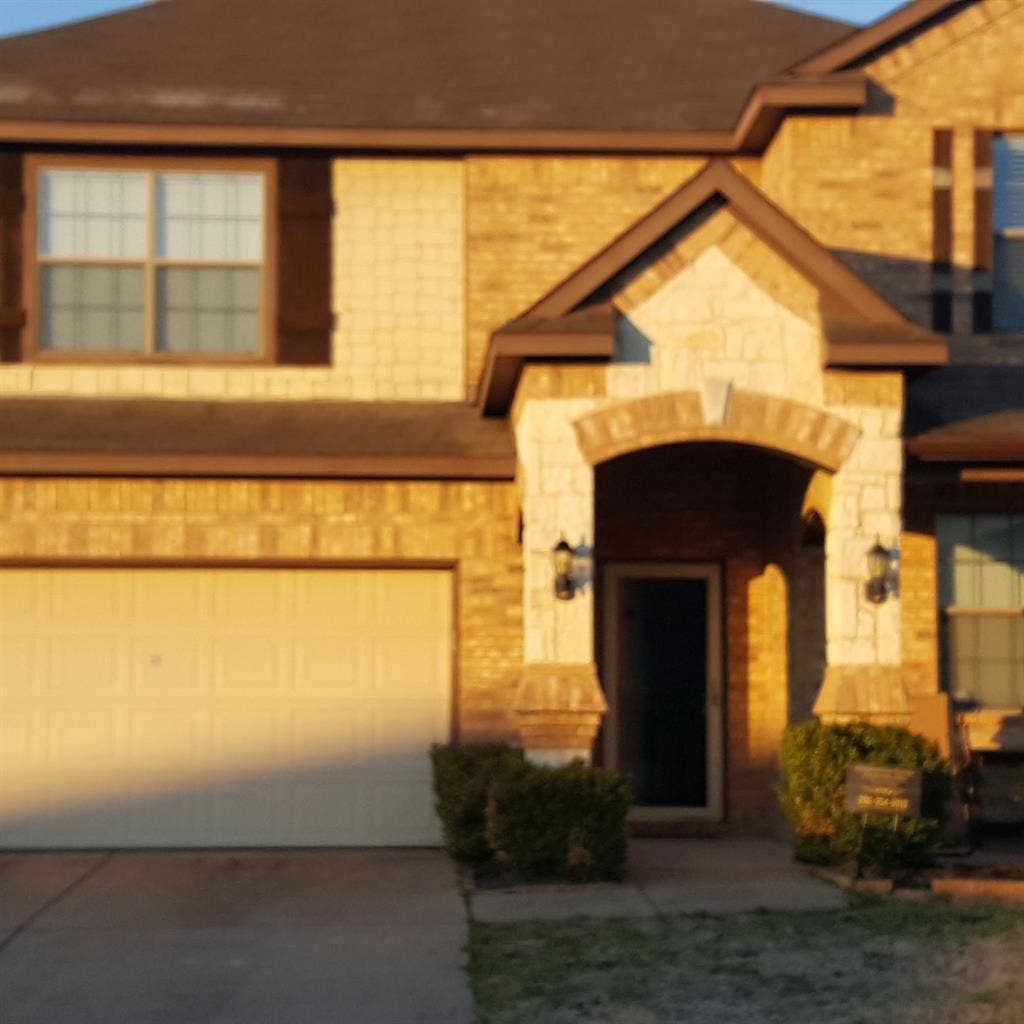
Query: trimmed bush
x,y
568,821
815,758
462,776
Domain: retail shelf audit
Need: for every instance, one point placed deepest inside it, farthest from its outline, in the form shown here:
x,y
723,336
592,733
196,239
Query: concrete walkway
x,y
668,876
371,937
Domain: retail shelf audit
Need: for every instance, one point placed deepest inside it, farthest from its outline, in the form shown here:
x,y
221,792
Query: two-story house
x,y
324,323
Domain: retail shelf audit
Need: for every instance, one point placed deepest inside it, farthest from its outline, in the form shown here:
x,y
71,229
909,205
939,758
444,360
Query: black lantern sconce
x,y
880,573
572,568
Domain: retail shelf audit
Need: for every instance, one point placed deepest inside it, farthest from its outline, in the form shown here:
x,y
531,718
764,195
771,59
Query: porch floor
x,y
673,876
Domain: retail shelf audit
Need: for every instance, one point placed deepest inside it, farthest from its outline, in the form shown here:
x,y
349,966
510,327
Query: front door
x,y
662,670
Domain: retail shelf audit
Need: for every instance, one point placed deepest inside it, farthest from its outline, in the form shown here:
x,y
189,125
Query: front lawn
x,y
876,962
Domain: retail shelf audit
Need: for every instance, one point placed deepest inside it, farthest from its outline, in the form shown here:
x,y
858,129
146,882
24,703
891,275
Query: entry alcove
x,y
710,626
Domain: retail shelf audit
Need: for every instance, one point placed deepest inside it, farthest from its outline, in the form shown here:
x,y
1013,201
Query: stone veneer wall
x,y
398,287
733,314
471,525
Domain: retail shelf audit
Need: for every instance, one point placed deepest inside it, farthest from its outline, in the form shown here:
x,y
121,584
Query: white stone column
x,y
559,703
864,640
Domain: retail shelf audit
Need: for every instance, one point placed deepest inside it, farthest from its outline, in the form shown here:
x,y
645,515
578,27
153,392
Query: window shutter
x,y
984,255
304,208
12,205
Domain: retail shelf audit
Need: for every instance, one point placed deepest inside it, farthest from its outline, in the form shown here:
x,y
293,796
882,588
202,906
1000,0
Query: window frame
x,y
949,613
34,166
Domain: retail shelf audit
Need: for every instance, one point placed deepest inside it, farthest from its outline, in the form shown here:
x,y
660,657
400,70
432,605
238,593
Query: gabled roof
x,y
913,17
860,327
583,73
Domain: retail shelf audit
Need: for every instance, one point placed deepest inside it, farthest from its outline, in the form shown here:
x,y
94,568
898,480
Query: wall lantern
x,y
879,572
573,568
562,556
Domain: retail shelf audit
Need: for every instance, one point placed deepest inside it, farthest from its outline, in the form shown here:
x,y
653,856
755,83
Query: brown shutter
x,y
942,229
304,208
12,205
984,255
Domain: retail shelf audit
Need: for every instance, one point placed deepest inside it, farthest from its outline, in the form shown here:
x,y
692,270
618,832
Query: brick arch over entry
x,y
764,421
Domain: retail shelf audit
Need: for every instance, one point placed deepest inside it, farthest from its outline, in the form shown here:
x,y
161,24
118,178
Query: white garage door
x,y
221,707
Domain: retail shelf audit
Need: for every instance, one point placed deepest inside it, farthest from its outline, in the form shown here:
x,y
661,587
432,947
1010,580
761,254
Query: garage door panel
x,y
95,657
23,657
401,663
221,707
165,668
332,735
251,595
401,812
24,599
160,602
165,743
327,664
322,607
89,598
258,665
413,608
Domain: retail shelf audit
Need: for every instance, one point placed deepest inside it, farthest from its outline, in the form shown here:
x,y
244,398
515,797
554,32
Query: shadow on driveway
x,y
304,937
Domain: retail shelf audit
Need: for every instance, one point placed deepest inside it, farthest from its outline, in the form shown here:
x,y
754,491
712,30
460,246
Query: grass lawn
x,y
876,962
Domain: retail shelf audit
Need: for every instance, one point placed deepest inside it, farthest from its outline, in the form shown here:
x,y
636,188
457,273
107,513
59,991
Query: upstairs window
x,y
981,584
1008,228
151,262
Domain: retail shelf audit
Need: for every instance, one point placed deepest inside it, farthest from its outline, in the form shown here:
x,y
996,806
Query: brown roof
x,y
995,438
206,438
860,327
608,65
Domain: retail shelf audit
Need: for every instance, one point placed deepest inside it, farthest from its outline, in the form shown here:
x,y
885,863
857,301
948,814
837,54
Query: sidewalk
x,y
673,876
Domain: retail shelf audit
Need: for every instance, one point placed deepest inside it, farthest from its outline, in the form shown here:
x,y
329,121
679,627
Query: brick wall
x,y
472,525
863,185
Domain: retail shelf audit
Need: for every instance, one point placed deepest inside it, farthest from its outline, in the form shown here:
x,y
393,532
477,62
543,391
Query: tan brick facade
x,y
433,255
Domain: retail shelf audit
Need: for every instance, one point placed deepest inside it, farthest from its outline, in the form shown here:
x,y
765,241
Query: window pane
x,y
91,309
208,309
1008,284
97,214
986,659
1008,171
210,216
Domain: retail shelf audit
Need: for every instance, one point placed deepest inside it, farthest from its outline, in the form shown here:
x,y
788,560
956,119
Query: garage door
x,y
226,707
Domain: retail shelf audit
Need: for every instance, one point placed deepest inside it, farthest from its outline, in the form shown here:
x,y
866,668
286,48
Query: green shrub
x,y
568,821
462,776
815,757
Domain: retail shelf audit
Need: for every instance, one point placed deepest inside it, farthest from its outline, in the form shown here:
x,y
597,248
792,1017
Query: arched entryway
x,y
709,624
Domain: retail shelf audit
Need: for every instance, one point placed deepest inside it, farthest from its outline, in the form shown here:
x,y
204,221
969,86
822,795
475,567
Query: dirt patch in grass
x,y
876,962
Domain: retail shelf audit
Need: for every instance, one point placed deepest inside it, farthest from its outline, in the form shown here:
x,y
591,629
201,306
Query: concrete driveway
x,y
350,937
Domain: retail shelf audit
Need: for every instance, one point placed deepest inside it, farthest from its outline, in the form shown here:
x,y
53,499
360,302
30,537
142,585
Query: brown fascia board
x,y
882,33
987,475
1007,448
537,341
859,344
769,102
757,123
162,464
879,355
